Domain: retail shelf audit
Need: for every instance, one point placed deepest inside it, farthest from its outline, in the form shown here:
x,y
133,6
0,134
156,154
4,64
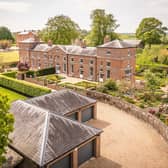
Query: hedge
x,y
45,71
23,87
11,74
41,72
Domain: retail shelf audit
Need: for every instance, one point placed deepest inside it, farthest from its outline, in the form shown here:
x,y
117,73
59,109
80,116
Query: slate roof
x,y
78,50
121,44
61,102
43,136
43,47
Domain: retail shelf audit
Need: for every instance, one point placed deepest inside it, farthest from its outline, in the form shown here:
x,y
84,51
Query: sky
x,y
19,15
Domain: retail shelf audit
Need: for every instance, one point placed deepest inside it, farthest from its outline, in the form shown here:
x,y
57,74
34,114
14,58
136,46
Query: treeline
x,y
61,29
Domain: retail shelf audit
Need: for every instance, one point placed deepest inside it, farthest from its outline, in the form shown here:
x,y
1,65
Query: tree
x,y
152,81
5,34
102,25
151,31
6,126
60,30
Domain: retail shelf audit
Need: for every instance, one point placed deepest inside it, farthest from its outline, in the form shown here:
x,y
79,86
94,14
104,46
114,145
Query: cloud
x,y
19,7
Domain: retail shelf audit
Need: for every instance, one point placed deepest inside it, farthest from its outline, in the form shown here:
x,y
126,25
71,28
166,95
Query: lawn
x,y
9,57
52,78
11,94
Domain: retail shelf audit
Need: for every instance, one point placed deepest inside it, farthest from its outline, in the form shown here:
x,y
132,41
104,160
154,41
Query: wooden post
x,y
97,146
75,158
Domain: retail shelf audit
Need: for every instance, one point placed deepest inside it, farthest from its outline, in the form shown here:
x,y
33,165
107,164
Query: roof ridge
x,y
45,137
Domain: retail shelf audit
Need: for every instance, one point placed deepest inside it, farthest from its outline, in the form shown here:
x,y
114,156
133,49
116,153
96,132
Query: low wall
x,y
155,122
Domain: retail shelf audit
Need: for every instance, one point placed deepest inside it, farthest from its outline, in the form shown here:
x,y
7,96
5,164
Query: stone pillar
x,y
75,158
95,111
97,146
79,116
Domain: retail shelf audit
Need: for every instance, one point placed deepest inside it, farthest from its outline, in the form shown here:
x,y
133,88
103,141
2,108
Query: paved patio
x,y
127,142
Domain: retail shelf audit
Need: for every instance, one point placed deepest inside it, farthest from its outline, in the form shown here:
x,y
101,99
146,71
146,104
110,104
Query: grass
x,y
52,78
127,36
11,94
86,84
9,57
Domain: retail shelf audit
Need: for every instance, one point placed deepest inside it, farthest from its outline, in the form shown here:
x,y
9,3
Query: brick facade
x,y
115,61
23,36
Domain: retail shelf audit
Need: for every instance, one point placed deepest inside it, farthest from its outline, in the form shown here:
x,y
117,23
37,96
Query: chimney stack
x,y
83,44
106,39
49,43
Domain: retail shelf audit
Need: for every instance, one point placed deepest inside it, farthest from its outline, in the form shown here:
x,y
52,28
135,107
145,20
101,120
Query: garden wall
x,y
155,122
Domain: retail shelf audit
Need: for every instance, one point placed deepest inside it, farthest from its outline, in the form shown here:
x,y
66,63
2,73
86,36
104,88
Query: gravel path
x,y
127,142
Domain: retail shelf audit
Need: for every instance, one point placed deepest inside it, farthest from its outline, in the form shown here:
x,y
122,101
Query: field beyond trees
x,y
9,57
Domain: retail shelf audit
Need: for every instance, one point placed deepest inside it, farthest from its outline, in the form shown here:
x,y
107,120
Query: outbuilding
x,y
48,140
67,103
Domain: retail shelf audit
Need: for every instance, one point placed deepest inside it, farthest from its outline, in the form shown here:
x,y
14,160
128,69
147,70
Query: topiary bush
x,y
23,87
111,85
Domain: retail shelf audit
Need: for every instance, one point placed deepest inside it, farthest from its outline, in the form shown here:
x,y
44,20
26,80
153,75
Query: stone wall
x,y
155,122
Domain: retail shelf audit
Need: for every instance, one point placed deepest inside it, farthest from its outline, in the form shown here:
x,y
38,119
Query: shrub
x,y
23,87
111,85
11,74
30,73
4,44
46,71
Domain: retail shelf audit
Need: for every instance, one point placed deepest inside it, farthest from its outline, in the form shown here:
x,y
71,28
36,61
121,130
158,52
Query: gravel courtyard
x,y
127,142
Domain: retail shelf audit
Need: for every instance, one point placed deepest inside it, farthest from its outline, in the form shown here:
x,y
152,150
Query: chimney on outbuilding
x,y
106,39
50,43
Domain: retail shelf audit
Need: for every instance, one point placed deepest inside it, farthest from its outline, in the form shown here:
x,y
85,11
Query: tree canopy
x,y
60,30
102,25
6,126
150,31
5,34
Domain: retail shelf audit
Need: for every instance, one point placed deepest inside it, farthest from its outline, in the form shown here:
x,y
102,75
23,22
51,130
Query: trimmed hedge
x,y
23,87
46,71
11,74
41,72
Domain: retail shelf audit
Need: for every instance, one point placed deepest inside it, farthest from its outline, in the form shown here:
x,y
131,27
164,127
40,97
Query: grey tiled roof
x,y
77,50
42,136
121,44
43,47
61,102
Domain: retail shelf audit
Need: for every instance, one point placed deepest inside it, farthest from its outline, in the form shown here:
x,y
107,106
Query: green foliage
x,y
40,72
60,29
12,96
102,25
23,87
152,81
11,74
52,78
111,85
150,31
86,84
45,71
5,34
6,126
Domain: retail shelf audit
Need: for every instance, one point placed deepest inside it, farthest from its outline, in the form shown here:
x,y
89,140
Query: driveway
x,y
127,142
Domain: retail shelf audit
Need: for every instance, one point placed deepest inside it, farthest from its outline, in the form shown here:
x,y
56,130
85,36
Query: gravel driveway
x,y
127,142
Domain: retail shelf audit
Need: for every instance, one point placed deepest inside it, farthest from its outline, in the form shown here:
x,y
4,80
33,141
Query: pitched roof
x,y
43,47
42,136
78,50
61,102
28,40
121,44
